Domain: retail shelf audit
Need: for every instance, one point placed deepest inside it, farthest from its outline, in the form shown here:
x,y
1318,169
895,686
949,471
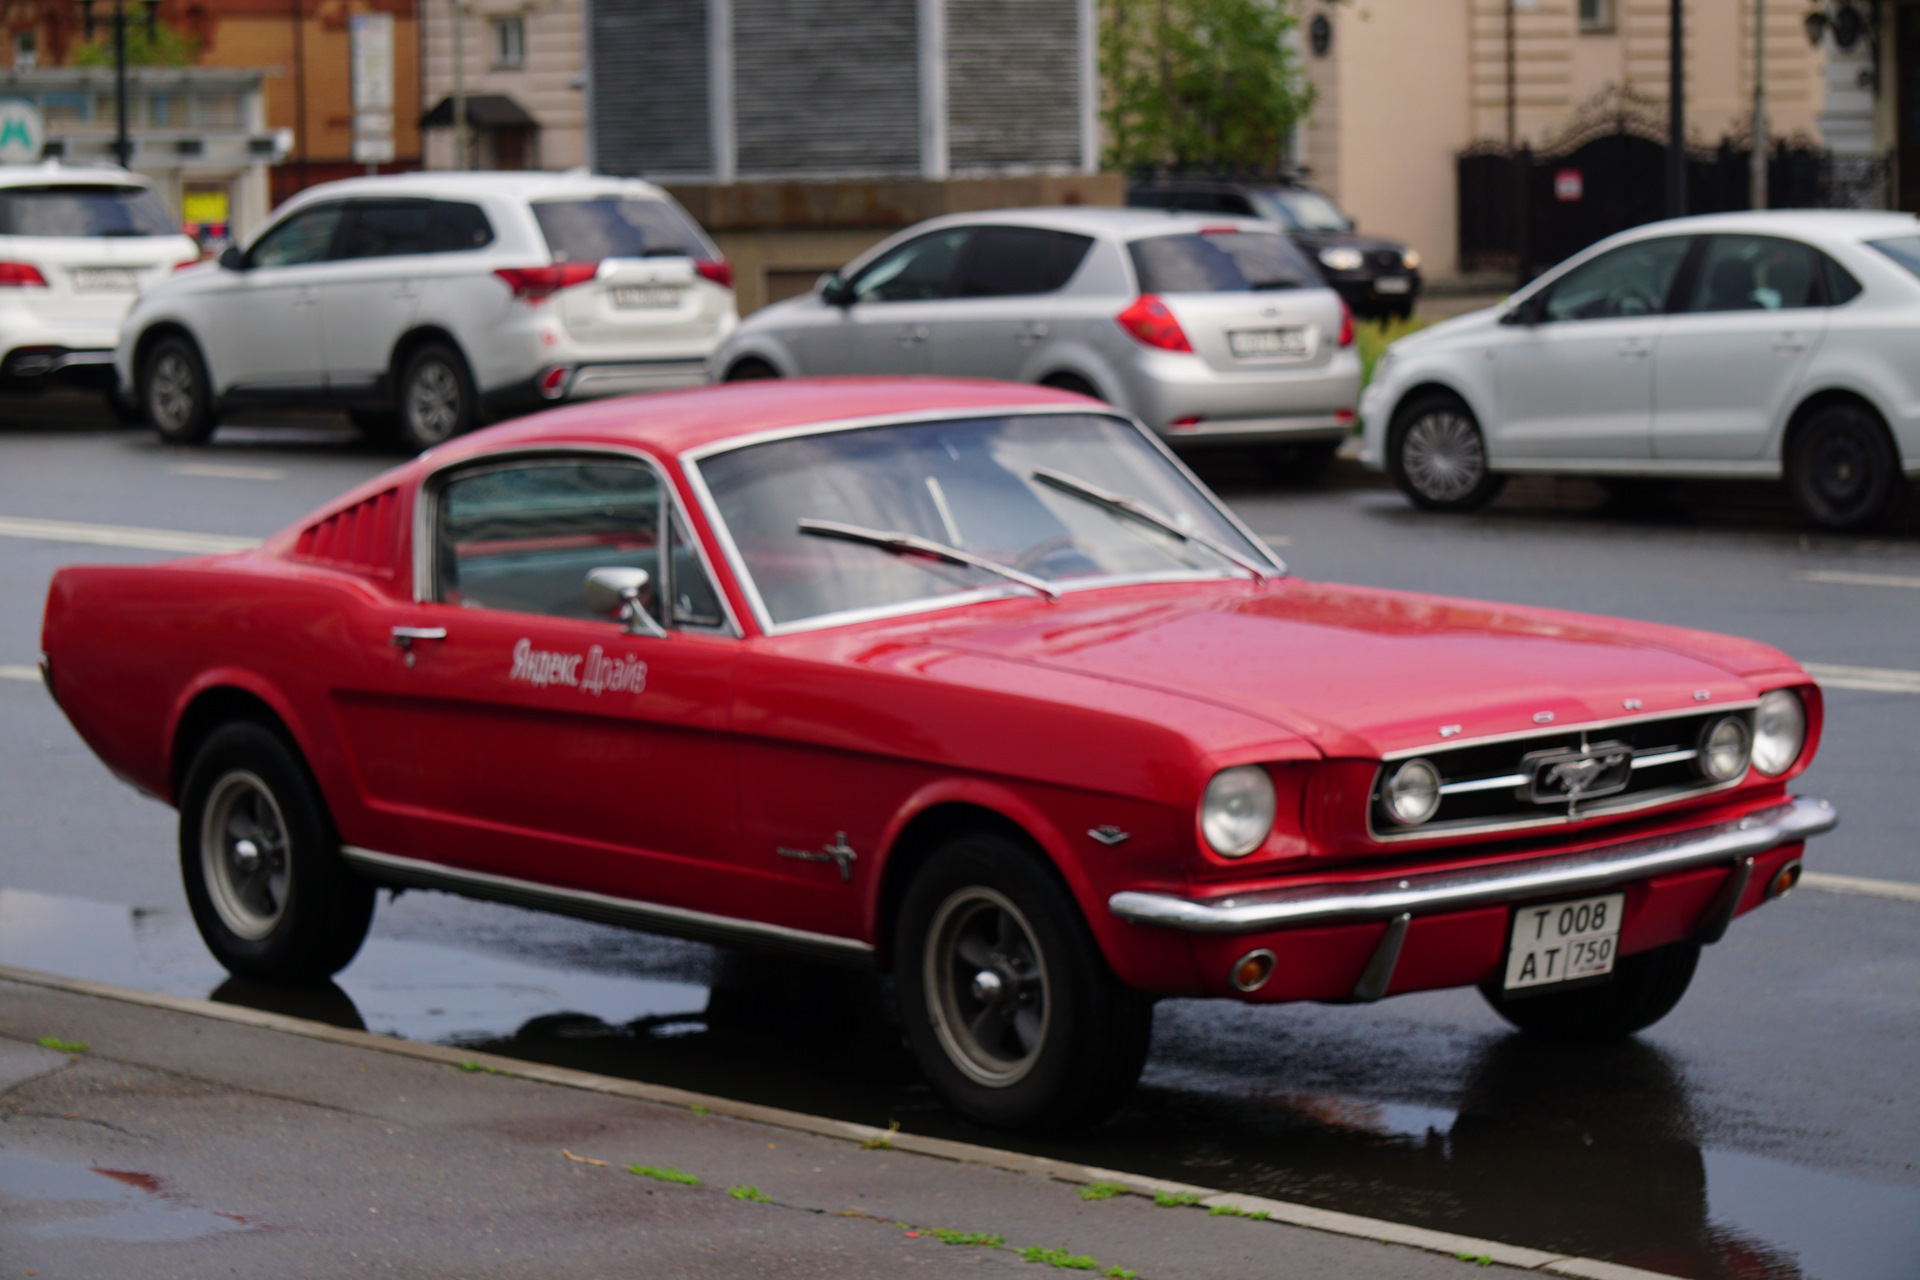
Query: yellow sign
x,y
202,208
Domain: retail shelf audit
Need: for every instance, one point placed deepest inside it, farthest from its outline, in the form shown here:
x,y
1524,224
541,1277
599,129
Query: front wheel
x,y
263,873
436,398
1843,468
1642,990
1438,457
1008,1004
175,393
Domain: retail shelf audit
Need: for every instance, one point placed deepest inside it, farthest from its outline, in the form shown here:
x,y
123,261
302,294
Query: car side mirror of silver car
x,y
615,593
231,259
1523,313
835,291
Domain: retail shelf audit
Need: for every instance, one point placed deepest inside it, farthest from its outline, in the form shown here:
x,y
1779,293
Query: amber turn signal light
x,y
1783,880
1251,971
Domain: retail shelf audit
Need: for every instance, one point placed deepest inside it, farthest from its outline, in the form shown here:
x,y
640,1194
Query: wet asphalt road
x,y
1768,1128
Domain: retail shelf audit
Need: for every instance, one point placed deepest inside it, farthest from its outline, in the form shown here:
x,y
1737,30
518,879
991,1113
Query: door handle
x,y
1788,345
1028,334
913,335
405,289
403,637
1633,347
306,297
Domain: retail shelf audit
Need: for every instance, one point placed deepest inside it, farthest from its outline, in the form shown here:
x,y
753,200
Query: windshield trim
x,y
691,459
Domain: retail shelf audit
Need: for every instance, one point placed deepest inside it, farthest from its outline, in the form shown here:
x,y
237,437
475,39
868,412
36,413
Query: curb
x,y
1299,1215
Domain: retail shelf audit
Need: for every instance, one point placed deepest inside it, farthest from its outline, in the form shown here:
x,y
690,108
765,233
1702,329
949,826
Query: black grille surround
x,y
1503,784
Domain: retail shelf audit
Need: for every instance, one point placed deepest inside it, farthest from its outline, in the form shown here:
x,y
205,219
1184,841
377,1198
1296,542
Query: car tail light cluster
x,y
1149,321
553,383
534,285
21,274
1346,324
718,270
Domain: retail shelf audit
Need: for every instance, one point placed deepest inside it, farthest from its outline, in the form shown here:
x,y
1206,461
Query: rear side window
x,y
1841,286
1904,250
83,210
1004,261
386,228
1220,262
1756,273
618,227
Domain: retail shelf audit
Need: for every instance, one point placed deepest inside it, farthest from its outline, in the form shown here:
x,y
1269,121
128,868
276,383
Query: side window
x,y
1632,280
305,237
1004,261
386,228
522,536
695,601
456,227
919,270
1842,288
1756,273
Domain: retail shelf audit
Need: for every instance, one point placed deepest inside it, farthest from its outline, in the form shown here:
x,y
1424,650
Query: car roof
x,y
1113,221
69,175
526,184
672,423
1843,224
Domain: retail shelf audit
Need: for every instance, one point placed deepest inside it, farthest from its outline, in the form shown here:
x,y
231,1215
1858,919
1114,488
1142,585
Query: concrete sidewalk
x,y
191,1139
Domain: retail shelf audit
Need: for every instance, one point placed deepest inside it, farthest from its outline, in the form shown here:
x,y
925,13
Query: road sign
x,y
1569,185
23,135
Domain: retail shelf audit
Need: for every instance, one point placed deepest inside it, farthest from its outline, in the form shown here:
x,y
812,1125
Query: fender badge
x,y
1631,704
837,853
1449,730
1701,695
1543,717
1110,835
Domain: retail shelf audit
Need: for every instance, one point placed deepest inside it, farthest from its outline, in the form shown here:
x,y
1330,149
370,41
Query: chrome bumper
x,y
1431,891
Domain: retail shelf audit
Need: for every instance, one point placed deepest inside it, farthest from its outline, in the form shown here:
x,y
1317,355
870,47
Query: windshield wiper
x,y
907,544
1122,505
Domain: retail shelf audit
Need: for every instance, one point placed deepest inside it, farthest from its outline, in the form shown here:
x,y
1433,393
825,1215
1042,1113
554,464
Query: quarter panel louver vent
x,y
357,540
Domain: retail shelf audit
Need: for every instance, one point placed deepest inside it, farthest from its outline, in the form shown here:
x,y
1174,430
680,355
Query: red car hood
x,y
1360,672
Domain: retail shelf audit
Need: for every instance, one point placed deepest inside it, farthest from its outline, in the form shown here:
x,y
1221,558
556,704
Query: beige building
x,y
1404,85
519,62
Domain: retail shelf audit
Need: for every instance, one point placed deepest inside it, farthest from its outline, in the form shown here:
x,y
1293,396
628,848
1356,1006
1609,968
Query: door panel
x,y
266,326
888,325
1004,303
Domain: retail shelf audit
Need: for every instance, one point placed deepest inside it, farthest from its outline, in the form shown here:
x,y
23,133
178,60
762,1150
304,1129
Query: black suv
x,y
1377,277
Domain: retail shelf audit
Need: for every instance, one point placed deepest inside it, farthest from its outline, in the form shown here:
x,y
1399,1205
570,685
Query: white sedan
x,y
1744,345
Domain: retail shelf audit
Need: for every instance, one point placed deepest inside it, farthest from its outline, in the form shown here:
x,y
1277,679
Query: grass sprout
x,y
750,1193
665,1173
1101,1191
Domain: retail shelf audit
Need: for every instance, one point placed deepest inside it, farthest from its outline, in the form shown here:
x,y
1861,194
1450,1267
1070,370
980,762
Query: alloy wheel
x,y
1442,455
433,402
987,982
1842,469
244,854
170,392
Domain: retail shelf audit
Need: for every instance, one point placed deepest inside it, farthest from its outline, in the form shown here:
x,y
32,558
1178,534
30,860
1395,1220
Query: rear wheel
x,y
1008,1004
1843,467
175,393
1072,382
262,868
1438,457
436,397
1642,990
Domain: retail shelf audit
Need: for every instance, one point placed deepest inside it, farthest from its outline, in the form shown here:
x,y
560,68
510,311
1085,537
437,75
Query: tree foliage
x,y
166,46
1200,84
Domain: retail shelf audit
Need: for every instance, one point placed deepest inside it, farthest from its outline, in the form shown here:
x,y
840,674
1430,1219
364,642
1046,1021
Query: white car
x,y
425,303
1741,345
77,246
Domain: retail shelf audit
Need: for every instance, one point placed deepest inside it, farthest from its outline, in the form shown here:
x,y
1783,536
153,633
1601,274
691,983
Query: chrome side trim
x,y
1572,873
651,917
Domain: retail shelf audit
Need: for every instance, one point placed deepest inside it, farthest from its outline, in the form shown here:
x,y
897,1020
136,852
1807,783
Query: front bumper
x,y
1374,294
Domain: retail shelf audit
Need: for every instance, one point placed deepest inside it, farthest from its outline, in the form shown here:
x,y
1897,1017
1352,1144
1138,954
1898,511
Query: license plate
x,y
1267,342
1564,941
91,279
1392,284
636,296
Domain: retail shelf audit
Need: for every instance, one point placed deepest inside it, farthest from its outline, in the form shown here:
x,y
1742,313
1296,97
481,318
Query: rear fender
x,y
245,681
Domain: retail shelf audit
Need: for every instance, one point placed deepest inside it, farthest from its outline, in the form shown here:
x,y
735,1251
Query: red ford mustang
x,y
970,681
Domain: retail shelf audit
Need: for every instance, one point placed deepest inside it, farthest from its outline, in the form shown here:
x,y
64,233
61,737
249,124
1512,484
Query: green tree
x,y
1200,84
166,46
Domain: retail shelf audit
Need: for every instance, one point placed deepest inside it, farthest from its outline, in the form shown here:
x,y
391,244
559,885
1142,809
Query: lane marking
x,y
20,673
225,471
1848,578
1827,882
115,535
1866,679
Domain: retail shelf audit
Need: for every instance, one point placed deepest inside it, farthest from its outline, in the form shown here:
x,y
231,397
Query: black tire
x,y
1075,383
750,370
1301,464
176,396
1056,1042
264,877
1437,455
1643,989
436,398
1843,467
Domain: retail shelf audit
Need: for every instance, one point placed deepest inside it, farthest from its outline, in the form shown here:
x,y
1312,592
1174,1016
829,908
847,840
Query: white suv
x,y
425,303
77,245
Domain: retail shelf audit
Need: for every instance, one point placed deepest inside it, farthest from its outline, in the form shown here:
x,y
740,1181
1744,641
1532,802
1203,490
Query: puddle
x,y
112,1204
1594,1151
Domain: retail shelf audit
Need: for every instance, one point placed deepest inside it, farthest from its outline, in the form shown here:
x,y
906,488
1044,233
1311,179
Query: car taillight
x,y
533,285
718,270
1149,321
190,262
1346,325
18,274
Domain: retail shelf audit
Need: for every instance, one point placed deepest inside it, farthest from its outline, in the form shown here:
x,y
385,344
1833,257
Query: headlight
x,y
1413,793
1342,259
1723,751
1410,259
1237,812
1779,731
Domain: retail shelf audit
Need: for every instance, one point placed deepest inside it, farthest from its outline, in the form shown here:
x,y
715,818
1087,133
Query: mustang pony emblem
x,y
590,672
1574,775
1570,775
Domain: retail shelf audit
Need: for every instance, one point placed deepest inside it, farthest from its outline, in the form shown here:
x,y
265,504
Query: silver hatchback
x,y
1207,329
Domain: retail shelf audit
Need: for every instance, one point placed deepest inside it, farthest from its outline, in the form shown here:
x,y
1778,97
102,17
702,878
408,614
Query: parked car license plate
x,y
1268,342
102,278
646,295
1392,284
1563,941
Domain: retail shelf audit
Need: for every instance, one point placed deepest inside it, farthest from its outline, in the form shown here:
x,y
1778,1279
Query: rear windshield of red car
x,y
89,209
619,227
1220,262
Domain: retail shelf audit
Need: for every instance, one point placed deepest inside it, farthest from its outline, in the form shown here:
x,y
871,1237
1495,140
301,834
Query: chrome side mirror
x,y
615,593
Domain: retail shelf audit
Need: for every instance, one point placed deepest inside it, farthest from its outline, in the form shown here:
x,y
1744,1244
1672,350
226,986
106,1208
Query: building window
x,y
1596,16
26,51
510,42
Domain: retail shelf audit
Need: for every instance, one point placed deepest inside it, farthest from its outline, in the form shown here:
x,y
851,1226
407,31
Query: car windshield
x,y
618,227
83,209
1220,262
1299,210
969,485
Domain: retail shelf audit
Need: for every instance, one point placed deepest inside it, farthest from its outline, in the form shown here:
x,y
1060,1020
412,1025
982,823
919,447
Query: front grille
x,y
1559,776
1386,259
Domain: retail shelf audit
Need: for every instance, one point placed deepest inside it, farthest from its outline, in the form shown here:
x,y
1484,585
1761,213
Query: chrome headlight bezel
x,y
1417,782
1779,732
1726,748
1237,810
1341,257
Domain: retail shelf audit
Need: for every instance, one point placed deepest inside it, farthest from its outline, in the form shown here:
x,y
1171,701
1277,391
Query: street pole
x,y
1759,197
460,160
122,144
1676,111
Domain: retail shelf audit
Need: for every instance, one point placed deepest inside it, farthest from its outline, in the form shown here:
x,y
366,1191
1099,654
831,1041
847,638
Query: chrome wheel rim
x,y
170,391
987,981
433,402
1442,456
244,855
